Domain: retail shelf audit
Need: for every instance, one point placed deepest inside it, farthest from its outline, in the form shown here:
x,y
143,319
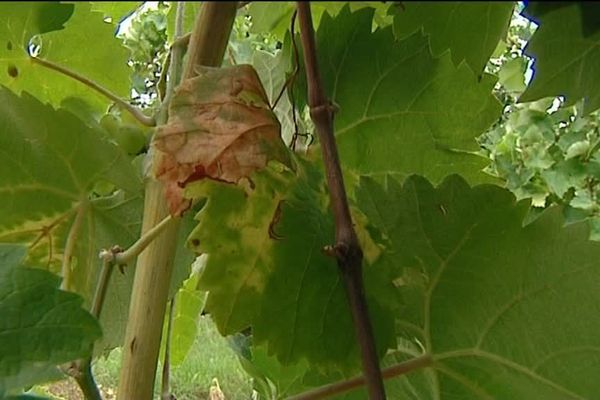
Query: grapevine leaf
x,y
266,269
64,47
28,19
275,17
400,110
189,17
512,75
237,246
590,13
189,302
117,11
55,157
566,60
272,72
486,296
220,127
271,379
50,163
117,220
444,22
41,326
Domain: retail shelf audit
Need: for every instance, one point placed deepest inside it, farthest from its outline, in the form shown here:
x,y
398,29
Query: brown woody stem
x,y
347,248
340,387
86,382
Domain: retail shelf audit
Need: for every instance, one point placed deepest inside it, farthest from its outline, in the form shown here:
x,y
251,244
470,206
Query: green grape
x,y
128,136
131,139
103,188
111,124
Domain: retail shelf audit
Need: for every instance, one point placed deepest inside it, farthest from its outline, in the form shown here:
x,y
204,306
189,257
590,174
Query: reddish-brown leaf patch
x,y
220,127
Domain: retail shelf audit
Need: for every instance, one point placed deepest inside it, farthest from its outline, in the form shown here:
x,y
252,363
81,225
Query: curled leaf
x,y
220,127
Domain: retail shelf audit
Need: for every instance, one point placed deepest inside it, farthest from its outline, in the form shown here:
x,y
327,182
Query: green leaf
x,y
590,13
470,29
512,75
189,302
275,17
266,269
566,61
40,325
55,157
116,220
117,11
189,17
87,46
400,110
577,149
50,163
272,72
487,297
29,19
272,380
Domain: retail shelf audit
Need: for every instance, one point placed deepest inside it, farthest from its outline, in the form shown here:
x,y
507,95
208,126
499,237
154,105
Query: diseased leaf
x,y
220,127
105,62
40,325
446,25
507,311
566,60
401,111
266,269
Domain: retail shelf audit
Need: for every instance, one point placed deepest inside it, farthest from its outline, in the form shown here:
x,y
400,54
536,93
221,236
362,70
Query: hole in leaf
x,y
9,45
13,71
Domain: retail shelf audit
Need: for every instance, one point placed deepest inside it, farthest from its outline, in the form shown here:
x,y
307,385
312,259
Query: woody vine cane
x,y
346,249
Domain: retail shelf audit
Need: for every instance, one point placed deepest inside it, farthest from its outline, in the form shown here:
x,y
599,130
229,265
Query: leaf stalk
x,y
134,111
340,387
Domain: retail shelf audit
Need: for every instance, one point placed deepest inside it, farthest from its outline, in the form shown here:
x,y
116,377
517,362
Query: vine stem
x,y
166,371
86,382
175,68
82,369
155,265
134,111
127,256
70,245
347,249
175,72
340,387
